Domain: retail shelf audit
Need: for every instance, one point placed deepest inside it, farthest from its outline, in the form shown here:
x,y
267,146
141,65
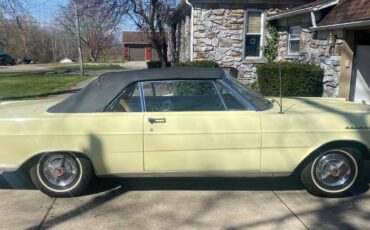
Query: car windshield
x,y
251,96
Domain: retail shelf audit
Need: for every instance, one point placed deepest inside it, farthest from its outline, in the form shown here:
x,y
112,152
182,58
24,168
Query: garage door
x,y
137,53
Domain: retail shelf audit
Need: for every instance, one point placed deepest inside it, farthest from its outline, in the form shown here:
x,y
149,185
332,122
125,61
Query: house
x,y
2,48
230,32
137,47
333,34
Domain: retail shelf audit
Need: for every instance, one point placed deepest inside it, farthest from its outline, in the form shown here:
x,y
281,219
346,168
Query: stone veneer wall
x,y
183,33
318,52
219,36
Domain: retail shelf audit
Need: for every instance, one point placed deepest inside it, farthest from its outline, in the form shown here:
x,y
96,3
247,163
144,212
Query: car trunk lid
x,y
25,107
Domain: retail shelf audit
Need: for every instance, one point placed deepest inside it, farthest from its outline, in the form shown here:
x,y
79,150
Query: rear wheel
x,y
333,173
62,174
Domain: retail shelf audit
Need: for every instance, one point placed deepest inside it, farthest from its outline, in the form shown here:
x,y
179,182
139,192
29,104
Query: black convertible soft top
x,y
98,94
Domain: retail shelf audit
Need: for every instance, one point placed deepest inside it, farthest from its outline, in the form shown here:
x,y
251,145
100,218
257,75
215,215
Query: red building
x,y
137,47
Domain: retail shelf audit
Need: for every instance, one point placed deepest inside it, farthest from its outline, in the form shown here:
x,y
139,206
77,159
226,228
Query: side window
x,y
294,40
230,102
178,96
128,101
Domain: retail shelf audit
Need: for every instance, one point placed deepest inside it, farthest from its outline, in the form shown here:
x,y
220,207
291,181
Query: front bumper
x,y
8,168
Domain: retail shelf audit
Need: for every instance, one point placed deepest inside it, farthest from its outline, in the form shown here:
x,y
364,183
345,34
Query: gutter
x,y
290,14
191,29
343,25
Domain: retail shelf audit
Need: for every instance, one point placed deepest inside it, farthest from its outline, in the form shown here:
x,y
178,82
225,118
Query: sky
x,y
44,11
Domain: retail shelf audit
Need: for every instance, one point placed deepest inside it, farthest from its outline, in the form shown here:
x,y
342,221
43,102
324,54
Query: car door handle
x,y
156,120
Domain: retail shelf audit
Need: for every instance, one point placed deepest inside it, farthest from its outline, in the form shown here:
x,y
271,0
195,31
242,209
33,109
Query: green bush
x,y
206,64
272,43
156,64
193,88
298,80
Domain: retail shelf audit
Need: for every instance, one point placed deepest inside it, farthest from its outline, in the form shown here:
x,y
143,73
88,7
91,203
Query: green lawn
x,y
18,86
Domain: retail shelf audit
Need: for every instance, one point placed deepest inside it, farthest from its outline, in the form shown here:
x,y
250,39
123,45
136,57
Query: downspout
x,y
191,29
313,19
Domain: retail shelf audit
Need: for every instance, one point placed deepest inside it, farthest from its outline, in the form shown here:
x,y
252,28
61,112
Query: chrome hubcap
x,y
333,170
60,170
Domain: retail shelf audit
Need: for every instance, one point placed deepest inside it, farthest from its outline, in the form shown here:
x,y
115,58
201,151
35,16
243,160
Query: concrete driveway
x,y
134,65
182,203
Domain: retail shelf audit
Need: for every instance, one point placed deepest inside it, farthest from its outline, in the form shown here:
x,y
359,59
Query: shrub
x,y
298,80
271,48
191,88
156,64
206,64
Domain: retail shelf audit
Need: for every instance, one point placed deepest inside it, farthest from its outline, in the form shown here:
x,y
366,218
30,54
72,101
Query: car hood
x,y
321,105
25,107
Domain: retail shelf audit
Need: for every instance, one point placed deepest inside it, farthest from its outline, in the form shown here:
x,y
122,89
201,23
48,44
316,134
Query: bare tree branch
x,y
152,16
99,20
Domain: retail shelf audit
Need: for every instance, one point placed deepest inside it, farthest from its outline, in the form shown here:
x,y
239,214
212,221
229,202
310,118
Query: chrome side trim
x,y
142,97
8,168
196,174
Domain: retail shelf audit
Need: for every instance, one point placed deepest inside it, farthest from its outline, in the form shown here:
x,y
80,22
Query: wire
x,y
35,6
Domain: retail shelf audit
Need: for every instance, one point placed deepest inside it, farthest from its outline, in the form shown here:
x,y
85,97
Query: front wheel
x,y
333,173
62,174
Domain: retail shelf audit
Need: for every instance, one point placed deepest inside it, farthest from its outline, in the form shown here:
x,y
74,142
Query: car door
x,y
120,134
188,127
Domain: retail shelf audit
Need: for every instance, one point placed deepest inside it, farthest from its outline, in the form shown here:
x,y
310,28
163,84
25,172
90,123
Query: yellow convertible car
x,y
183,122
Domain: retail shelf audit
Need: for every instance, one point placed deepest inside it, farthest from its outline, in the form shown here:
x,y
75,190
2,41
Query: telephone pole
x,y
77,18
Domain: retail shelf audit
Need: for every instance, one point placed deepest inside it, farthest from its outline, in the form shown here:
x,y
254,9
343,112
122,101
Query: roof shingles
x,y
135,37
347,11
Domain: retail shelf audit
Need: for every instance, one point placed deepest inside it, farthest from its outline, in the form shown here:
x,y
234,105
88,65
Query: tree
x,y
23,36
10,7
152,17
99,21
24,25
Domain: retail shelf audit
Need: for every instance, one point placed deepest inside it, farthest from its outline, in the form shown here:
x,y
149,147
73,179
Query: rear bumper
x,y
8,168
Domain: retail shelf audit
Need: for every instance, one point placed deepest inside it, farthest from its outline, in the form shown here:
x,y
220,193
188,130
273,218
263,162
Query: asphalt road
x,y
182,203
126,66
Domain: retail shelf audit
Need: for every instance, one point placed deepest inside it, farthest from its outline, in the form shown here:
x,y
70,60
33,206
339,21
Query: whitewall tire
x,y
62,174
333,173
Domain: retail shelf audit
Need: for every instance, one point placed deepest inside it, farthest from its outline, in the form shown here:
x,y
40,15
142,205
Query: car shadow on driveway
x,y
210,184
17,180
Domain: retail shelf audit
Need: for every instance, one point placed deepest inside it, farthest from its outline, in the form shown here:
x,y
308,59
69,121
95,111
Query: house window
x,y
254,34
294,40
